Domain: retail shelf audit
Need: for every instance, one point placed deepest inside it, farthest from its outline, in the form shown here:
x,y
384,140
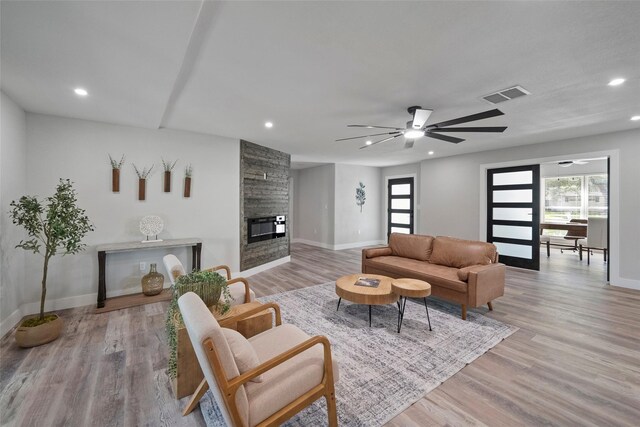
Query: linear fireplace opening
x,y
266,228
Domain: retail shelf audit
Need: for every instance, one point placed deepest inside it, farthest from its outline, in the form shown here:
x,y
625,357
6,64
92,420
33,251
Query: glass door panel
x,y
513,200
400,206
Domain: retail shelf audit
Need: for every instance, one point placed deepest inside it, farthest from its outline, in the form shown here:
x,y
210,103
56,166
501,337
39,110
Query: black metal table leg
x,y
403,305
339,301
427,308
369,316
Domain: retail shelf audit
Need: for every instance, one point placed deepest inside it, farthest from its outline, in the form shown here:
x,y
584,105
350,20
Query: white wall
x,y
402,171
314,206
450,191
352,227
78,150
13,185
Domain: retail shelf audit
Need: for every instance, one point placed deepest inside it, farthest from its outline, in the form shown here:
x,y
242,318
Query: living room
x,y
196,83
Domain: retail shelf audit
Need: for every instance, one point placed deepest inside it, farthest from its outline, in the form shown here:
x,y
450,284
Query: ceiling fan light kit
x,y
418,128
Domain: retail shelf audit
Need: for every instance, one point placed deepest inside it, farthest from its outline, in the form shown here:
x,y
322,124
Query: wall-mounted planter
x,y
187,186
142,188
115,180
167,181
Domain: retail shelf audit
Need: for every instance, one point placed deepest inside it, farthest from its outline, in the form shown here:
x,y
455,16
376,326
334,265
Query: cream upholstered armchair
x,y
596,237
262,381
238,287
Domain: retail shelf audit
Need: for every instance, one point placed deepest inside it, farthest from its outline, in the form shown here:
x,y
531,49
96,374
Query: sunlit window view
x,y
574,197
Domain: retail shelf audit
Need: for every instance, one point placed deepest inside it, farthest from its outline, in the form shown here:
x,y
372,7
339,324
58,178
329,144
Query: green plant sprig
x,y
168,166
115,164
145,172
211,287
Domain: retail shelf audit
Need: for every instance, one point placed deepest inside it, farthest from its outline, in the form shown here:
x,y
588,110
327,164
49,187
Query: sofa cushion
x,y
461,253
287,381
412,246
437,275
243,353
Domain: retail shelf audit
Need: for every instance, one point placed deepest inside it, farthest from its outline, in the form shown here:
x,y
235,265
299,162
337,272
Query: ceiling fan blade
x,y
465,119
373,127
444,137
378,142
420,117
471,129
409,143
366,136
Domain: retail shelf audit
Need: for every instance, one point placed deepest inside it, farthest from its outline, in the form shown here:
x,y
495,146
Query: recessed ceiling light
x,y
430,153
368,142
268,125
635,118
616,82
80,91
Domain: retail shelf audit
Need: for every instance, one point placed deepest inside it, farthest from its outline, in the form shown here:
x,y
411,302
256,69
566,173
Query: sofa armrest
x,y
485,283
376,252
463,273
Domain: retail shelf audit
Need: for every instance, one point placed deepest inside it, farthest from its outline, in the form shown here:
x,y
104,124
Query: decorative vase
x,y
115,180
187,186
142,188
37,335
167,181
152,282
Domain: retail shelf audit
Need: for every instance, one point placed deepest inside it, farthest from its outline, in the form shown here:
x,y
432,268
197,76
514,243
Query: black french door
x,y
513,214
400,206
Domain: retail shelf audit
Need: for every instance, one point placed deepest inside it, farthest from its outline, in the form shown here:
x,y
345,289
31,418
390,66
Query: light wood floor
x,y
574,361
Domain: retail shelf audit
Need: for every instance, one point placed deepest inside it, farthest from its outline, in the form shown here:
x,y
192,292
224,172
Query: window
x,y
573,197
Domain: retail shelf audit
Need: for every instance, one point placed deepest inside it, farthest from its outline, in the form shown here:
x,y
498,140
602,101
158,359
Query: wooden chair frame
x,y
230,388
230,281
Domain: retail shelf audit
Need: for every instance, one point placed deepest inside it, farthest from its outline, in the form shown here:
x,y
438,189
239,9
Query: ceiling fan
x,y
417,127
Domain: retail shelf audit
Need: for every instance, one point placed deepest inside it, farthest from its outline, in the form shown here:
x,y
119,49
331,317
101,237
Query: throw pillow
x,y
243,353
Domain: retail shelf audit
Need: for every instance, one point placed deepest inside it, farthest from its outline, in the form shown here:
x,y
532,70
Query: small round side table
x,y
410,288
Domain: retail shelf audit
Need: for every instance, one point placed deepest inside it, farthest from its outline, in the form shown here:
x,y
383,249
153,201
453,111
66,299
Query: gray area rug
x,y
381,372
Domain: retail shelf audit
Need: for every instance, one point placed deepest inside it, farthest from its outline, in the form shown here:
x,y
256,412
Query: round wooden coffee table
x,y
346,288
410,288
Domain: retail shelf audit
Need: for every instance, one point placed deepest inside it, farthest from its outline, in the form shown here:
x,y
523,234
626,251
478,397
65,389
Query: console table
x,y
103,250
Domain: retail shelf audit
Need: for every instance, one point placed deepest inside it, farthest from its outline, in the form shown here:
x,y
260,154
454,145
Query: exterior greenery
x,y
54,226
209,286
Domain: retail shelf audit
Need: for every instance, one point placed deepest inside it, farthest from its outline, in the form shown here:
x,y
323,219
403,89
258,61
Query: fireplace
x,y
266,228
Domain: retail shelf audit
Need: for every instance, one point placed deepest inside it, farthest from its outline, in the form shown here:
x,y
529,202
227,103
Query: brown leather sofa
x,y
463,271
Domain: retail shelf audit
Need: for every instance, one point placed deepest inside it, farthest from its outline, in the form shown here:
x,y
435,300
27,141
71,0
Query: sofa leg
x,y
548,249
490,306
464,311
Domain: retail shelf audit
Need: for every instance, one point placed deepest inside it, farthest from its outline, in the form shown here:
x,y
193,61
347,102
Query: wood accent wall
x,y
260,197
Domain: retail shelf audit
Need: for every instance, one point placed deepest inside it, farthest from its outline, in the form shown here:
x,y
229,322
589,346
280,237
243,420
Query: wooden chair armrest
x,y
260,309
247,294
221,267
235,383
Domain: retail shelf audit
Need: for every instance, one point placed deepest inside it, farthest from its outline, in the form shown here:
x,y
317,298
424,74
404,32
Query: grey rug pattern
x,y
381,372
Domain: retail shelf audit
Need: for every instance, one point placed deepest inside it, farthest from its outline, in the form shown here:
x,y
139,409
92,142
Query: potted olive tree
x,y
54,226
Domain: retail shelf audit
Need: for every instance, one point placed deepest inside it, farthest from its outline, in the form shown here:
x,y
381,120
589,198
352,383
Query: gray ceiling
x,y
224,68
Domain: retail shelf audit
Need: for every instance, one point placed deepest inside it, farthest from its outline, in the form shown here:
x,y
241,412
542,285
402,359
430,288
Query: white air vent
x,y
506,94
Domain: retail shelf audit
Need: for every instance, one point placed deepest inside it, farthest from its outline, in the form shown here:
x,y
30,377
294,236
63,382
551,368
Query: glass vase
x,y
152,282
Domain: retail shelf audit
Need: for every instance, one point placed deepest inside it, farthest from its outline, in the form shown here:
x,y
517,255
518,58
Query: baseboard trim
x,y
313,243
340,246
625,283
263,267
12,320
31,308
357,245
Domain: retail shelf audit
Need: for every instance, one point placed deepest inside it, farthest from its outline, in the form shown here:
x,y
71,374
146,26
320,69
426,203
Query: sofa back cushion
x,y
412,246
460,253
